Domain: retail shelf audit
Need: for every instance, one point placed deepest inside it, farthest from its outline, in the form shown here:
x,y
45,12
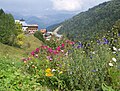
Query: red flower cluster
x,y
49,50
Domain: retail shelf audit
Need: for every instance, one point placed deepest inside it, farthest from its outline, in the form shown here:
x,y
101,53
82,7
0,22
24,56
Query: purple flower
x,y
118,34
98,41
105,41
94,70
91,57
88,44
80,45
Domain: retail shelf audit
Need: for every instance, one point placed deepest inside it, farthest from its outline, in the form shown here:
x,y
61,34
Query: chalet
x,y
43,31
47,35
30,28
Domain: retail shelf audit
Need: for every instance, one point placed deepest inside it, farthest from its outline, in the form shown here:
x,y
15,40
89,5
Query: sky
x,y
47,7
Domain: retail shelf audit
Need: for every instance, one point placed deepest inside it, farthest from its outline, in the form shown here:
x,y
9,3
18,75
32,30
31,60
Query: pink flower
x,y
58,48
67,41
37,50
24,59
44,47
50,50
72,43
63,45
28,58
32,53
49,58
55,52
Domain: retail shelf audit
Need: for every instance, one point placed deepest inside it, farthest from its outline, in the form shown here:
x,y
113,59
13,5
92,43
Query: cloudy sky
x,y
43,7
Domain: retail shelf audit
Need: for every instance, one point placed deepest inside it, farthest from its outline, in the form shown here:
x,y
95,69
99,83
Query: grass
x,y
30,43
11,77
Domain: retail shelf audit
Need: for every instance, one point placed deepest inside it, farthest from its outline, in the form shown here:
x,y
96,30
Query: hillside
x,y
94,21
30,43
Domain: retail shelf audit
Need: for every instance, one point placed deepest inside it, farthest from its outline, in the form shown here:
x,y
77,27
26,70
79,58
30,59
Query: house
x,y
43,31
29,28
47,35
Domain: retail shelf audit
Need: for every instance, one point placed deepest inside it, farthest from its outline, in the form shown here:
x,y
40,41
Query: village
x,y
32,28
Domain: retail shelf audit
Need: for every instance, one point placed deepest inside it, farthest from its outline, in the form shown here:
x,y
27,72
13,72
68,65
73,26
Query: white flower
x,y
115,49
53,70
110,64
36,55
66,54
114,52
119,49
114,59
93,52
62,51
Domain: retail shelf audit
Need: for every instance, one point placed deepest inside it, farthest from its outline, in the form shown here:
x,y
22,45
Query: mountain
x,y
96,20
43,21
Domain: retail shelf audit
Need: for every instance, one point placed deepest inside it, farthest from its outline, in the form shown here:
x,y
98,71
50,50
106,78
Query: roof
x,y
22,19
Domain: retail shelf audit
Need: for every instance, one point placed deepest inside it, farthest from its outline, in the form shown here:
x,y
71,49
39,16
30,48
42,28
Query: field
x,y
61,65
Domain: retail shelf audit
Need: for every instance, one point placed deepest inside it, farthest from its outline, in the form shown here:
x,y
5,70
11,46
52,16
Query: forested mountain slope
x,y
96,20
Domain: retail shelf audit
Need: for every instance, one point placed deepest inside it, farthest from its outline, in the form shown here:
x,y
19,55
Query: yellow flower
x,y
48,70
49,74
47,60
60,72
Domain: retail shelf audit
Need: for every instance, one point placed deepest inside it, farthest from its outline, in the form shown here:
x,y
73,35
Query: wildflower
x,y
36,55
115,49
91,57
71,73
66,54
44,47
49,74
114,52
105,41
67,41
13,63
114,59
58,48
37,50
49,58
93,52
118,34
60,72
119,49
32,53
50,50
55,52
48,70
98,41
53,70
25,61
62,51
72,43
28,58
80,45
33,66
62,45
110,64
94,70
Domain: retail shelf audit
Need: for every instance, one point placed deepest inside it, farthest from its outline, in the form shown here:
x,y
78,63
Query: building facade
x,y
29,28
